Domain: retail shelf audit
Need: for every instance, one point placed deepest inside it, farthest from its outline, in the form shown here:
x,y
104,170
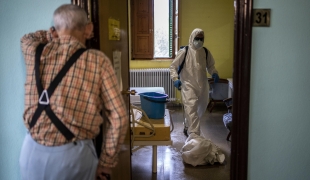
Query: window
x,y
154,28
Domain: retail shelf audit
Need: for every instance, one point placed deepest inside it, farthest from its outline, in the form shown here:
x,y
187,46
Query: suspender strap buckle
x,y
44,99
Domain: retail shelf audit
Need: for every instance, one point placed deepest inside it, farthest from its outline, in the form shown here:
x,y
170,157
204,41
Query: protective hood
x,y
193,35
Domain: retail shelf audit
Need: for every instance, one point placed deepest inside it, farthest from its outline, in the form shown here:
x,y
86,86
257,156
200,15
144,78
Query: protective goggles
x,y
198,38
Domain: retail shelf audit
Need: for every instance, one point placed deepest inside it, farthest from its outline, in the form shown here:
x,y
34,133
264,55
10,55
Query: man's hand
x,y
89,32
177,84
102,172
215,77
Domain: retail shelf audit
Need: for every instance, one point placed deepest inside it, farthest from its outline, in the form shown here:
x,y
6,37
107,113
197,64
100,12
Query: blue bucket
x,y
153,104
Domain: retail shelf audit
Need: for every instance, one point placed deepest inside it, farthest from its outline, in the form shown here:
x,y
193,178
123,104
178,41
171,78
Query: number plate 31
x,y
261,17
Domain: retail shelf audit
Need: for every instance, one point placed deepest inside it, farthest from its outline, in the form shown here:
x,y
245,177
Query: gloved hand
x,y
177,84
215,77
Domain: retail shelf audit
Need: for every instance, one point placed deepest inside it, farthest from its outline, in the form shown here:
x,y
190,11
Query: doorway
x,y
241,72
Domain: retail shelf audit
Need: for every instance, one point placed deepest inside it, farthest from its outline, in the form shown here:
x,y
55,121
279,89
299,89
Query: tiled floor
x,y
170,165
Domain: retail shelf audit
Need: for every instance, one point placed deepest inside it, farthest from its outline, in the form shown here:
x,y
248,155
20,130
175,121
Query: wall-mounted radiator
x,y
154,77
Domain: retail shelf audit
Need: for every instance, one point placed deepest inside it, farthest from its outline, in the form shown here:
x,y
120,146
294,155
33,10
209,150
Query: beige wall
x,y
216,18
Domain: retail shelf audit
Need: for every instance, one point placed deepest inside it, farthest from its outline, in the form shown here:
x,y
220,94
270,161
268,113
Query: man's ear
x,y
53,32
89,30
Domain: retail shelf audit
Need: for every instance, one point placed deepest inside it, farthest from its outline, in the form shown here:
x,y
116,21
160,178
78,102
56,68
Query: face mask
x,y
198,44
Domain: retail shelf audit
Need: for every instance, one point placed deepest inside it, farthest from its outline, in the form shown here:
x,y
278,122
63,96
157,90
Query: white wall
x,y
17,18
279,142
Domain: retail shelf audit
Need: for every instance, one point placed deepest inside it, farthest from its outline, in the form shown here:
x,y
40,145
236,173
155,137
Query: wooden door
x,y
101,12
142,27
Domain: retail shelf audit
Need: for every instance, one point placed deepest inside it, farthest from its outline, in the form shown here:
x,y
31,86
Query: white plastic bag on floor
x,y
200,151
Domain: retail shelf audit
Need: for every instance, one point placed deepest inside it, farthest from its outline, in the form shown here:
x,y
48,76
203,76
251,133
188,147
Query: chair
x,y
227,118
217,92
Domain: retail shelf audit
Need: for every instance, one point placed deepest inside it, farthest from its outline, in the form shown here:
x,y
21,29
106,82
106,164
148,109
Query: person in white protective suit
x,y
193,81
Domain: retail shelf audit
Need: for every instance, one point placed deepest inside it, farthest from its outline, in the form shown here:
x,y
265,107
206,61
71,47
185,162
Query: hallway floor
x,y
170,165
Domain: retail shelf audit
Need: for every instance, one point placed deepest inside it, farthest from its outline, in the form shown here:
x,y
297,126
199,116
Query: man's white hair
x,y
69,17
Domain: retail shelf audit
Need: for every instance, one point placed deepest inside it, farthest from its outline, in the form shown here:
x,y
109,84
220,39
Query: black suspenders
x,y
45,94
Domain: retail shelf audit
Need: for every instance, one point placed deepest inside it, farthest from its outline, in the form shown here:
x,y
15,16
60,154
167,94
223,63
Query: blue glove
x,y
177,84
215,77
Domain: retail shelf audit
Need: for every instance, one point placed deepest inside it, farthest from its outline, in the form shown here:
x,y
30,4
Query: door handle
x,y
127,92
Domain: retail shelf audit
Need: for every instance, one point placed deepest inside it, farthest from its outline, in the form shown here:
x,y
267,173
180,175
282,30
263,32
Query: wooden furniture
x,y
154,145
149,132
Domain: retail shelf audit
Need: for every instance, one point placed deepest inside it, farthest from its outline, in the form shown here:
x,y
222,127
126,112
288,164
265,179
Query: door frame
x,y
241,86
241,82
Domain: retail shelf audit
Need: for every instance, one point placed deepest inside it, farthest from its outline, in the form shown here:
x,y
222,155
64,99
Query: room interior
x,y
218,24
216,18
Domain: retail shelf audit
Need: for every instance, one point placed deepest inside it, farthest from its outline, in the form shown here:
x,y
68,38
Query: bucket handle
x,y
155,101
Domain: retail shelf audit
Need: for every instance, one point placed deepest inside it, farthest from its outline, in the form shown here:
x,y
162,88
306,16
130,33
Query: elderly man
x,y
67,90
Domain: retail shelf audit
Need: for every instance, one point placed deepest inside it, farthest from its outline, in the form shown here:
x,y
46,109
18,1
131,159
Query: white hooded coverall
x,y
195,87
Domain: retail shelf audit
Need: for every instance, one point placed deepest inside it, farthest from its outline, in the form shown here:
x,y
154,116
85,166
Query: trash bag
x,y
200,151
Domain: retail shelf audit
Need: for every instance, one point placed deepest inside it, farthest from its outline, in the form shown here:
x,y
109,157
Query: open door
x,y
118,10
110,19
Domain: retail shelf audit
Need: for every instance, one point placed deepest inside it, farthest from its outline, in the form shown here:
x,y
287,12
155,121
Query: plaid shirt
x,y
89,88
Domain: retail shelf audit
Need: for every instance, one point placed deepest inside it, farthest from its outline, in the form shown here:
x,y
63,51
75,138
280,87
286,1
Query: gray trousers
x,y
66,162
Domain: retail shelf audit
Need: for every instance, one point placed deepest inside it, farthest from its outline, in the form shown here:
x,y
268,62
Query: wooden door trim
x,y
241,83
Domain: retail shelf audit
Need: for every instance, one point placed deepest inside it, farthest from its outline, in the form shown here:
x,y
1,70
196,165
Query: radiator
x,y
154,77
